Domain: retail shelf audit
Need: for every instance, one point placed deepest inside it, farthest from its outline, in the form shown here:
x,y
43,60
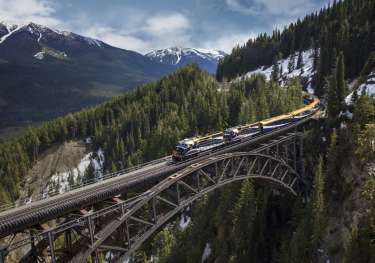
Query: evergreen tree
x,y
90,172
247,112
300,60
243,219
292,63
275,70
318,204
341,85
333,101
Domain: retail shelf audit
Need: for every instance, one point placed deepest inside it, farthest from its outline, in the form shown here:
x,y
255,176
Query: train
x,y
200,145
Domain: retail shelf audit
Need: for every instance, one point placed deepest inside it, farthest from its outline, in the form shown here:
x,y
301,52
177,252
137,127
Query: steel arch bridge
x,y
121,226
139,220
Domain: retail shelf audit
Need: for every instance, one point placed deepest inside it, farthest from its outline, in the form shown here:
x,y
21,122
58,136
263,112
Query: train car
x,y
193,147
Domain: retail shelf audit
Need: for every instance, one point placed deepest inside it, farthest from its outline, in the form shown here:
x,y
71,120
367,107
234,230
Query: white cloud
x,y
166,25
228,42
158,31
25,11
117,39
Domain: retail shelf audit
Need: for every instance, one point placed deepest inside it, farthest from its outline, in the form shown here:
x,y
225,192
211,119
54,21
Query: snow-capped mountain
x,y
45,73
177,56
305,71
41,33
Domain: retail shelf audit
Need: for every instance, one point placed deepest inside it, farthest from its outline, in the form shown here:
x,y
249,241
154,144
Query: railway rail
x,y
20,218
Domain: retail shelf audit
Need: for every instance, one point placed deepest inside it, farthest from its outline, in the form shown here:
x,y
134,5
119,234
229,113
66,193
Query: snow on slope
x,y
41,31
62,182
307,69
11,29
175,54
368,87
206,253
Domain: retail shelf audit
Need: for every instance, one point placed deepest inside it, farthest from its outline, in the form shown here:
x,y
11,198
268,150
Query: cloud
x,y
158,31
166,25
248,7
228,42
117,39
25,11
270,7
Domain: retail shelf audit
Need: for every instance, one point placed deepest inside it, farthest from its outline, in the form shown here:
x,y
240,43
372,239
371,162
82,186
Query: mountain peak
x,y
180,56
41,33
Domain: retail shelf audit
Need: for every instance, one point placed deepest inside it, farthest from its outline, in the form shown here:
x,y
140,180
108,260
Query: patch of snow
x,y
88,140
93,42
40,37
39,55
11,30
184,221
366,88
206,252
305,71
63,182
174,55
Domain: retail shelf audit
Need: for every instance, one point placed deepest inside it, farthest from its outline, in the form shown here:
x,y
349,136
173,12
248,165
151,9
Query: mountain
x,y
177,56
46,73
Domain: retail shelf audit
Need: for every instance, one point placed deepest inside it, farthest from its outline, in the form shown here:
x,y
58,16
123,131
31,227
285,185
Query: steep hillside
x,y
345,26
46,73
179,57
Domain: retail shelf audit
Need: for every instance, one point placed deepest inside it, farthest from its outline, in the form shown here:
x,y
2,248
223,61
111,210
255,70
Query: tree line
x,y
146,123
345,26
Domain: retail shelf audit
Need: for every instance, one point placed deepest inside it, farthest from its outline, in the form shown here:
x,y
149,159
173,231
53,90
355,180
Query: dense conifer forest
x,y
345,26
147,123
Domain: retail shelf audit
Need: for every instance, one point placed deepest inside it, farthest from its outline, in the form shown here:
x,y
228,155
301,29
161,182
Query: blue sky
x,y
154,24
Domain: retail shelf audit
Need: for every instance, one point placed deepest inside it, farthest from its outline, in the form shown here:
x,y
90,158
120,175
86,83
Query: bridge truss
x,y
117,228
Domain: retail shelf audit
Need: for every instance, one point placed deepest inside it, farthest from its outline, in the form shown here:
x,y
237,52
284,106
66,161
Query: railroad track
x,y
23,217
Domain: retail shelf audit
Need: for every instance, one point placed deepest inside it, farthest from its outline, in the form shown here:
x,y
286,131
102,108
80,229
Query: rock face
x,y
177,56
45,73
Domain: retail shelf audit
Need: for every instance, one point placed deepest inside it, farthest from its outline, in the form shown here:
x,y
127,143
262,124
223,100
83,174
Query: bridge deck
x,y
20,218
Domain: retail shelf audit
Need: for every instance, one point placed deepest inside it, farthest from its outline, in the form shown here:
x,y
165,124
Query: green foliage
x,y
364,111
318,204
345,26
244,215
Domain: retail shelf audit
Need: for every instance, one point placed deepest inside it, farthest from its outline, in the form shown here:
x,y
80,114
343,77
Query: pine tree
x,y
318,204
247,112
341,85
243,219
291,63
333,102
300,60
90,172
275,71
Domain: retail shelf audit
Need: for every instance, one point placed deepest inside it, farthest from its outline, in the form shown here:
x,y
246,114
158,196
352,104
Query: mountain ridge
x,y
181,56
46,73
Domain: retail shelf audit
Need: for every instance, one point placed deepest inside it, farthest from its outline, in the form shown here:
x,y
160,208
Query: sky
x,y
146,25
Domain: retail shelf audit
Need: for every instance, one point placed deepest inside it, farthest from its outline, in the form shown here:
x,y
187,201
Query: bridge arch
x,y
141,218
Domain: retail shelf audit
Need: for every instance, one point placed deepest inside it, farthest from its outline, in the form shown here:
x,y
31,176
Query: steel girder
x,y
131,222
162,202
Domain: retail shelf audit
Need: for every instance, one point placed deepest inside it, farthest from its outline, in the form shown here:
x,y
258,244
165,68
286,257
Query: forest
x,y
146,123
344,26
